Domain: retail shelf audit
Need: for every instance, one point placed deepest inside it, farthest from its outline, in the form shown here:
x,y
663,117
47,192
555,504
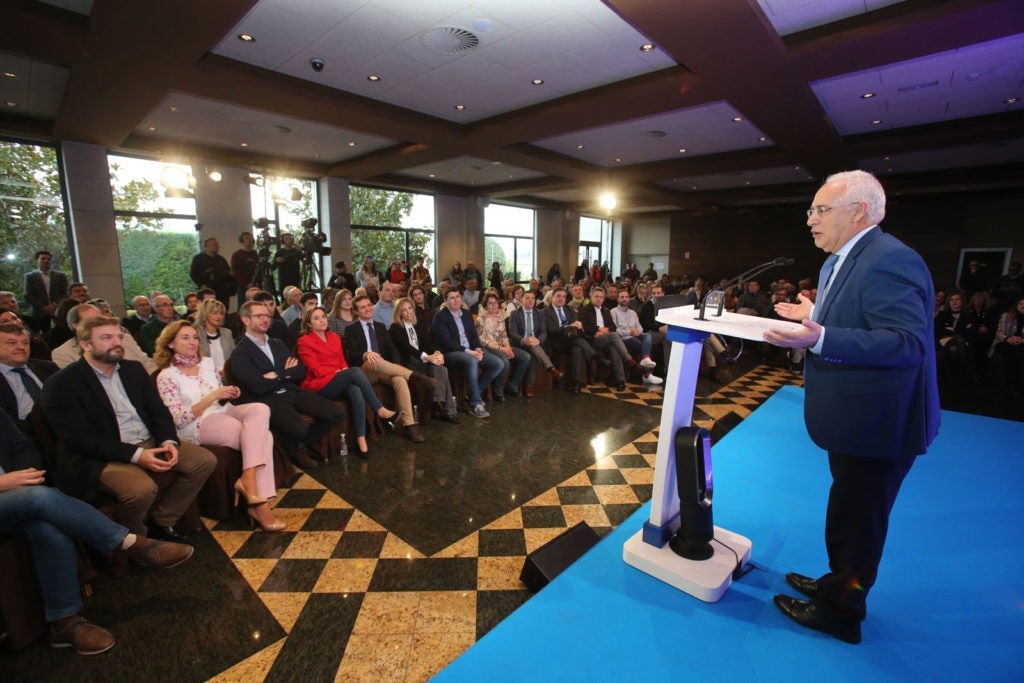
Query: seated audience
x,y
111,427
328,374
70,351
526,331
267,372
1008,349
417,352
423,305
143,314
51,522
191,388
455,336
341,315
149,332
490,327
216,342
627,326
565,335
599,329
24,376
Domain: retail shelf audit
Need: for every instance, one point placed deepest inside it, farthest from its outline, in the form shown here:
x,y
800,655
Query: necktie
x,y
824,280
412,337
529,323
30,384
373,338
561,316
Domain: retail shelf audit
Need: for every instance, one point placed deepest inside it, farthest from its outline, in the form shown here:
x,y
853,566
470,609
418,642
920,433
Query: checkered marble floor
x,y
357,603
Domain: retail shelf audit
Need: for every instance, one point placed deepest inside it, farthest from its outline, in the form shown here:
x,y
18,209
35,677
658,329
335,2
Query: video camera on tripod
x,y
311,242
264,240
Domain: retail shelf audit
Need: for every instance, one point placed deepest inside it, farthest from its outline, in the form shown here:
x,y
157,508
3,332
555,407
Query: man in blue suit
x,y
455,336
871,396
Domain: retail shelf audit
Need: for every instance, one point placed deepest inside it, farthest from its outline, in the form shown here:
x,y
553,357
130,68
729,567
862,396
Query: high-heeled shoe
x,y
250,498
255,521
361,452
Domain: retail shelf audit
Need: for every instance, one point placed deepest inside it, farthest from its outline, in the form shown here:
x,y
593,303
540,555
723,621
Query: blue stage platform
x,y
948,604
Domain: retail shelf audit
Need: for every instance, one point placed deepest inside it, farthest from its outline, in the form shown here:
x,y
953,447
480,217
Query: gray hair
x,y
861,186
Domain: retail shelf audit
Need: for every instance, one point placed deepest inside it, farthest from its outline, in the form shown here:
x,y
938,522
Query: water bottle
x,y
342,446
416,414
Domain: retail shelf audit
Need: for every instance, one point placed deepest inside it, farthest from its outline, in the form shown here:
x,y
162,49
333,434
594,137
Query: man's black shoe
x,y
170,533
811,615
575,389
300,456
804,584
449,418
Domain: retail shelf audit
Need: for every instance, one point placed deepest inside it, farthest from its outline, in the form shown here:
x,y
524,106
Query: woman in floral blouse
x,y
490,326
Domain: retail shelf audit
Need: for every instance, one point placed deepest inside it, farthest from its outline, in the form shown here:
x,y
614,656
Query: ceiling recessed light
x,y
886,158
737,119
373,78
10,74
579,146
1012,100
876,122
12,103
796,168
431,175
316,155
747,182
151,128
460,107
867,96
173,108
618,160
682,150
538,81
246,38
244,144
647,47
693,187
351,143
763,139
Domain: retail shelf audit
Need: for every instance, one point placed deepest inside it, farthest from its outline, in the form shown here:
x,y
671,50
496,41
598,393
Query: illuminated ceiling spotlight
x,y
214,174
608,201
647,47
177,183
283,192
254,179
246,37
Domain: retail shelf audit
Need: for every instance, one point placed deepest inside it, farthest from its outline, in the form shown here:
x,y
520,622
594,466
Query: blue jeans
x,y
353,384
50,521
491,367
640,344
520,363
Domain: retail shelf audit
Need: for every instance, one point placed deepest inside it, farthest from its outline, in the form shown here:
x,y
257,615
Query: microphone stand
x,y
716,298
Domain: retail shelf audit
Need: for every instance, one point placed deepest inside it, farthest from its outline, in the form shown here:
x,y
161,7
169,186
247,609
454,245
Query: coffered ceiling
x,y
670,105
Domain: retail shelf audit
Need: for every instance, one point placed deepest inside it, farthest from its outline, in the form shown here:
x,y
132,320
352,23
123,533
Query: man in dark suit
x,y
44,290
368,345
50,521
871,397
24,376
210,269
267,372
600,332
111,426
527,330
565,334
455,336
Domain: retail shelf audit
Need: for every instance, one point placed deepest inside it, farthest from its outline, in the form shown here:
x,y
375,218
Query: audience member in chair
x,y
143,314
267,372
527,331
24,377
50,522
627,326
368,346
455,336
565,335
190,387
328,374
601,333
417,352
149,332
490,327
70,351
216,342
111,427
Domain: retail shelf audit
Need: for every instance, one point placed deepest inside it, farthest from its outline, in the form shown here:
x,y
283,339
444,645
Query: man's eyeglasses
x,y
822,210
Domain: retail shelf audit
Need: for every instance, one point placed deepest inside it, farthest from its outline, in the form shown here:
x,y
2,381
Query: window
x,y
285,203
31,212
155,211
595,240
508,239
388,226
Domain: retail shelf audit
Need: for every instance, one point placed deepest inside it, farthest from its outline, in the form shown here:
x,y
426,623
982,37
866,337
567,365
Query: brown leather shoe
x,y
300,456
413,434
556,374
150,553
76,632
528,392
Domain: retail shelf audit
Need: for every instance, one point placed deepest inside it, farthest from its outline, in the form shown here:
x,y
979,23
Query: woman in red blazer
x,y
329,375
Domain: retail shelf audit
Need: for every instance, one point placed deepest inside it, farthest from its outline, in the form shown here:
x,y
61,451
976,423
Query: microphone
x,y
716,298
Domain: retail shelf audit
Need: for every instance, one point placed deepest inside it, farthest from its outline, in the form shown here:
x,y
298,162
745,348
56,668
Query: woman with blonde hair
x,y
191,389
341,315
215,341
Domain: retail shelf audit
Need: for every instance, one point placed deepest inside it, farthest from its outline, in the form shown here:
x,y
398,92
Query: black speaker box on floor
x,y
724,425
549,560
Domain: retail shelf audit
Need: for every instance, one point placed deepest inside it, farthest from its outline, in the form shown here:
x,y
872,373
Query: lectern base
x,y
707,580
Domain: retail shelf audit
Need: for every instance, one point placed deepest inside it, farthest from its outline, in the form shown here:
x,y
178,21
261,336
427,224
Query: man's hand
x,y
291,362
373,358
437,358
800,311
476,353
19,478
158,459
804,338
635,331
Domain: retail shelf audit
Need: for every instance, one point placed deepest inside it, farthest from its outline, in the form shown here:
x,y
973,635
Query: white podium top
x,y
728,324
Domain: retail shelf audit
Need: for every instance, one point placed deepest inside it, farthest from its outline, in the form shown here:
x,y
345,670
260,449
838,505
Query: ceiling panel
x,y
471,171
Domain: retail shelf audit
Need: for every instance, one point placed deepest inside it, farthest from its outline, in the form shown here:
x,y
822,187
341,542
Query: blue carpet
x,y
948,604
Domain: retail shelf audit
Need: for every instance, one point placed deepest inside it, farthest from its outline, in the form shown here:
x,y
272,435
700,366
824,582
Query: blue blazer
x,y
249,364
446,332
873,390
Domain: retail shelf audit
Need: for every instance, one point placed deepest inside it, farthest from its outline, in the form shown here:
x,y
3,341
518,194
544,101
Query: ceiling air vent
x,y
450,40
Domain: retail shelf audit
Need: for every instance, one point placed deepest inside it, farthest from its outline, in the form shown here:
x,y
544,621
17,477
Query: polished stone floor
x,y
391,568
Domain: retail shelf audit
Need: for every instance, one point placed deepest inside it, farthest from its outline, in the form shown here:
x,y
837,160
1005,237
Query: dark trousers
x,y
286,410
856,523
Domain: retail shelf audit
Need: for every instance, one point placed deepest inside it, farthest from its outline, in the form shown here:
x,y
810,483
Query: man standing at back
x,y
871,395
44,290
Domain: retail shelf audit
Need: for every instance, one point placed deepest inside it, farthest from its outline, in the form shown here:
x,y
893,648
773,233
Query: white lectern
x,y
648,549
